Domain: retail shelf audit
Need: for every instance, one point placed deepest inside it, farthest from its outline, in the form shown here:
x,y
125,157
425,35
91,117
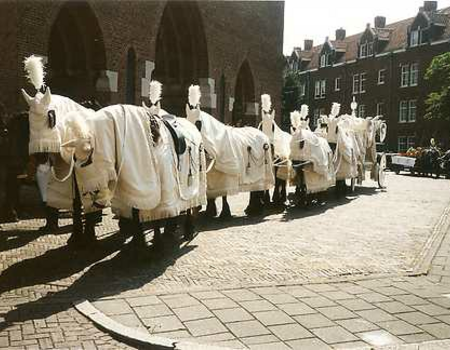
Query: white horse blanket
x,y
242,158
141,173
320,174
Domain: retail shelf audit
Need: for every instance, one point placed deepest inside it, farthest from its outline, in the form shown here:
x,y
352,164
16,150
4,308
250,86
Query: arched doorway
x,y
76,54
244,96
181,53
131,77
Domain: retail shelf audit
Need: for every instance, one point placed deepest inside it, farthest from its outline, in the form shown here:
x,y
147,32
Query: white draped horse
x,y
280,147
312,159
241,159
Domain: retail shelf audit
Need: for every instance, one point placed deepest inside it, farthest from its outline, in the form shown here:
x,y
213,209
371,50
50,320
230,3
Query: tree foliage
x,y
438,75
291,95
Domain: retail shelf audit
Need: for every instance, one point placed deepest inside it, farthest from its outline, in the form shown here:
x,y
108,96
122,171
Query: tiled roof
x,y
395,34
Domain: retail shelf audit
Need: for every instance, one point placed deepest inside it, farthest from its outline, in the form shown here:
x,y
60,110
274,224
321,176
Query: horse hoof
x,y
225,214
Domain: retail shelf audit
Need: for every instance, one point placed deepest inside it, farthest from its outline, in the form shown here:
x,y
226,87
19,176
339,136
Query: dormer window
x,y
417,37
366,49
325,60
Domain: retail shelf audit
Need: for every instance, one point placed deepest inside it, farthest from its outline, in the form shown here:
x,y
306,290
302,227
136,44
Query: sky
x,y
316,19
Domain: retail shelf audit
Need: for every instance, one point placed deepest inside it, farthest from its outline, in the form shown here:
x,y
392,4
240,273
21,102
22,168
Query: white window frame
x,y
414,39
317,89
337,84
323,88
381,76
362,83
412,111
362,111
355,83
404,77
414,74
380,108
302,89
403,111
410,141
405,143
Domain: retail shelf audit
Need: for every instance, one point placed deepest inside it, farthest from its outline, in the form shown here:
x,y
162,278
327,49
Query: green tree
x,y
291,96
438,75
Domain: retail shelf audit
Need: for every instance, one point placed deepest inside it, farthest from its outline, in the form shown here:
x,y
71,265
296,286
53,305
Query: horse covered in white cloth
x,y
312,159
241,159
280,146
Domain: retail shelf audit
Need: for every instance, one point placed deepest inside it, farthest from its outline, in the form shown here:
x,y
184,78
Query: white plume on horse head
x,y
295,119
34,68
335,109
266,103
155,92
194,95
304,111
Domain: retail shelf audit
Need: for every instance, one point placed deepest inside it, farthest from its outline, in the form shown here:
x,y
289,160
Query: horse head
x,y
193,111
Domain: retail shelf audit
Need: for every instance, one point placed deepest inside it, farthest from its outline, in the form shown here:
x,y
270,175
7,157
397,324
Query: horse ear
x,y
47,97
273,114
28,98
188,110
70,144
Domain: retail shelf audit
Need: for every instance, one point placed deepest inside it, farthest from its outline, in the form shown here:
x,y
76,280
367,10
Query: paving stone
x,y
297,308
416,338
356,304
230,344
179,300
266,290
129,320
151,311
163,324
183,334
379,338
375,315
410,299
143,301
205,327
394,307
321,287
399,327
374,297
233,315
336,312
260,339
299,292
259,305
4,342
217,337
439,330
221,303
241,295
337,295
443,302
191,313
444,318
113,307
308,344
318,302
247,328
417,318
281,298
390,291
270,346
207,295
314,321
354,289
335,334
432,310
290,331
269,318
355,345
357,325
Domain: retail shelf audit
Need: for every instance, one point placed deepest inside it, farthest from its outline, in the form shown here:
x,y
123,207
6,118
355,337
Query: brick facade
x,y
391,50
214,38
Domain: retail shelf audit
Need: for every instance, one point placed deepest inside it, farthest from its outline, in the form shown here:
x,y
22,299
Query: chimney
x,y
308,45
380,22
430,6
340,34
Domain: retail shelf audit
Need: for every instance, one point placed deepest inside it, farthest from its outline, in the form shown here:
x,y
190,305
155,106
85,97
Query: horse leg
x,y
189,227
283,192
211,208
138,240
91,220
77,217
51,220
226,212
256,203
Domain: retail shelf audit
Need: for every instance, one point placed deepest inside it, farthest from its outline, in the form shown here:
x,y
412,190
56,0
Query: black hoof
x,y
225,214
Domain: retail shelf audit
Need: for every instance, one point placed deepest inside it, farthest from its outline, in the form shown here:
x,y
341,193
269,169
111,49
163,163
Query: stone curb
x,y
135,336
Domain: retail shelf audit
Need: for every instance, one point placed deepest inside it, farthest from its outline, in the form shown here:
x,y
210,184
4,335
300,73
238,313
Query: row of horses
x,y
154,168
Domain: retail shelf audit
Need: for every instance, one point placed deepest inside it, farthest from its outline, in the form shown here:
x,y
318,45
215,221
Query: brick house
x,y
383,67
109,50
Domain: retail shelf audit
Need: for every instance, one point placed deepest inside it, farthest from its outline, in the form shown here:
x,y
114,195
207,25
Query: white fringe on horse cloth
x,y
320,174
242,156
141,174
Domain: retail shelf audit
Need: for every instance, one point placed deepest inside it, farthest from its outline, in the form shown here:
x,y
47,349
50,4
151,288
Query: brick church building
x,y
383,68
110,50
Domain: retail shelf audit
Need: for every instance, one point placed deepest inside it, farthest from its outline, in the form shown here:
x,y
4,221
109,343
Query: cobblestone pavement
x,y
244,282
